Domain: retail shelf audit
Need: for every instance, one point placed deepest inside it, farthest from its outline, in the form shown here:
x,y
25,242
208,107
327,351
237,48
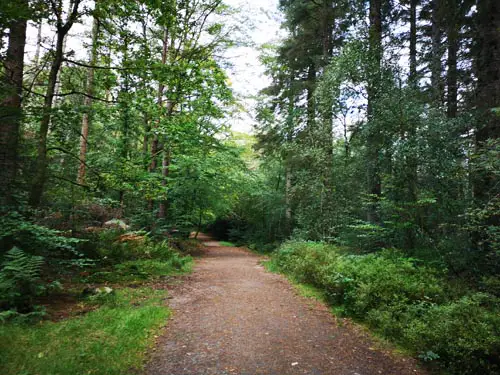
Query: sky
x,y
259,22
247,73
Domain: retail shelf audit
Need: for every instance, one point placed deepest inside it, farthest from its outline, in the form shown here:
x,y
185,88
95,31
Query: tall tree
x,y
86,118
436,52
413,42
10,105
488,95
453,34
62,29
374,80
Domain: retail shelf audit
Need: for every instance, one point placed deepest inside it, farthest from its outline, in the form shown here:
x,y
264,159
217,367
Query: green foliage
x,y
20,280
34,238
226,243
403,300
463,333
112,340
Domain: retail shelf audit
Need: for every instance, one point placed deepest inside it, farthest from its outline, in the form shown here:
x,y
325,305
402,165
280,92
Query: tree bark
x,y
453,45
413,43
10,110
162,210
373,146
437,54
161,89
39,179
36,59
311,85
488,87
86,119
288,198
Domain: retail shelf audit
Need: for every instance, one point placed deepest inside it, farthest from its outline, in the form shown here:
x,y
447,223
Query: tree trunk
x,y
488,87
38,182
161,89
413,42
145,141
36,59
162,212
311,85
88,104
373,143
10,111
437,54
288,200
453,45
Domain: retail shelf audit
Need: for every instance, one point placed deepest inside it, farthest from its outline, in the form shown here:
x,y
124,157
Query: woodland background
x,y
372,174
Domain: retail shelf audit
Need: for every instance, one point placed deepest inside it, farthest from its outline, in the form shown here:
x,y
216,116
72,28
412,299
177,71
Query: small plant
x,y
19,280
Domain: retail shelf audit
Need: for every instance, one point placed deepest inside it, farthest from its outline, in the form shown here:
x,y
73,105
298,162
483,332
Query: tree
x,y
10,105
86,119
62,28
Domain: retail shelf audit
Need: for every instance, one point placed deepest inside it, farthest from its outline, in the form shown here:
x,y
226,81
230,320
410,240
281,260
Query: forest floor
x,y
230,316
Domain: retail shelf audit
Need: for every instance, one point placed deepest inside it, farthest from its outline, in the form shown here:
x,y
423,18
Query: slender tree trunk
x,y
437,54
39,179
488,90
288,188
162,211
453,45
145,141
36,59
311,85
88,103
10,110
161,89
413,42
373,143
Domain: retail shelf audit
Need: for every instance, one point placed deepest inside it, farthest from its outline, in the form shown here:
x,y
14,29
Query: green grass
x,y
227,243
111,340
141,270
271,266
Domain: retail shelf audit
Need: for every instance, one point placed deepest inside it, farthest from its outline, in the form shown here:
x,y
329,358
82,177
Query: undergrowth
x,y
112,340
113,283
414,306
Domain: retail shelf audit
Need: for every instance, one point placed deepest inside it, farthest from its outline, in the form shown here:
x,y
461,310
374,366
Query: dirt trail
x,y
233,317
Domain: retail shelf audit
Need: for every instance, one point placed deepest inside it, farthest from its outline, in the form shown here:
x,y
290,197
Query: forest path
x,y
233,317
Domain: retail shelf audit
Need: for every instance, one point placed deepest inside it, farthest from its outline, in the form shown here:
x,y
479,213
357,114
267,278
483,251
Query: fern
x,y
19,278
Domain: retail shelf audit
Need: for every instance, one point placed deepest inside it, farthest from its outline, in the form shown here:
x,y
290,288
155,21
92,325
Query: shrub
x,y
35,239
403,301
465,334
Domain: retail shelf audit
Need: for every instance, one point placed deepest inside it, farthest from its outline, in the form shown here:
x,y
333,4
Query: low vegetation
x,y
90,304
412,304
110,340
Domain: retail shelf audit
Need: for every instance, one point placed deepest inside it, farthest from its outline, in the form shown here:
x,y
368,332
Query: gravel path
x,y
233,317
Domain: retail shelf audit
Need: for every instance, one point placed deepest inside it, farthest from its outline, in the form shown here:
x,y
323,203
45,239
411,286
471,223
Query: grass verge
x,y
227,243
111,340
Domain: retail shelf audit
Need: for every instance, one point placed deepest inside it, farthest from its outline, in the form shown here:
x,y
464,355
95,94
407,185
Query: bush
x,y
465,334
403,301
35,239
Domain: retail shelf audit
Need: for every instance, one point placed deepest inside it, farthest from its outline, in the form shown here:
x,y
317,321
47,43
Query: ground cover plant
x,y
403,300
93,306
111,339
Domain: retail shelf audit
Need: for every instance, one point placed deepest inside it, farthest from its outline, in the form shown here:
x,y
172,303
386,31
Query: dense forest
x,y
372,174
